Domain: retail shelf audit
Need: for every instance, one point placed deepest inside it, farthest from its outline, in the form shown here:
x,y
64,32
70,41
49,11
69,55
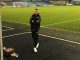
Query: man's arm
x,y
39,19
31,20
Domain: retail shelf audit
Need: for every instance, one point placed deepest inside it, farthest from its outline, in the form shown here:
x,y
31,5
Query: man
x,y
35,25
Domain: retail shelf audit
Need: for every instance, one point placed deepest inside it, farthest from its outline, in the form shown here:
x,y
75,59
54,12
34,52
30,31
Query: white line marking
x,y
15,34
60,29
14,22
6,26
44,36
8,29
61,22
60,39
46,26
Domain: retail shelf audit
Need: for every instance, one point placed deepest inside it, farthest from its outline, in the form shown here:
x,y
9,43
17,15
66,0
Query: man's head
x,y
36,12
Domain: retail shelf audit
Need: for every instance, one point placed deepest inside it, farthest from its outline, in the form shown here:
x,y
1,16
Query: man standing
x,y
35,25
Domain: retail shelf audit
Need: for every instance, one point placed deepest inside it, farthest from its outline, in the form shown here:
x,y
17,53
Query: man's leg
x,y
35,38
34,35
35,41
37,29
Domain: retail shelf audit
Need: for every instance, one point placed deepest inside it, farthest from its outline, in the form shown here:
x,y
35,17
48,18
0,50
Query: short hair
x,y
36,9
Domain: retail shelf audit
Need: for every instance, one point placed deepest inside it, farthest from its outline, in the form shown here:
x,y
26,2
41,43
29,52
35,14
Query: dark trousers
x,y
34,30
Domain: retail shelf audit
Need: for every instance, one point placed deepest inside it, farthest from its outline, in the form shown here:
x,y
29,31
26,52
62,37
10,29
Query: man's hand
x,y
32,21
38,21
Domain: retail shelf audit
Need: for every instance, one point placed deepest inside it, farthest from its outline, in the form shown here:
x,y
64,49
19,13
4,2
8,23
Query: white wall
x,y
1,51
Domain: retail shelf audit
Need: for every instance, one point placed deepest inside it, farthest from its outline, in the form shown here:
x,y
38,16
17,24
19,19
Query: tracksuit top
x,y
35,19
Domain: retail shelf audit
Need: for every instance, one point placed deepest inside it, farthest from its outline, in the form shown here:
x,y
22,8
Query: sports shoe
x,y
37,45
35,50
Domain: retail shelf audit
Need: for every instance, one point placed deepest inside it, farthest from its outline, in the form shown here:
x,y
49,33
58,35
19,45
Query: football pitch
x,y
61,17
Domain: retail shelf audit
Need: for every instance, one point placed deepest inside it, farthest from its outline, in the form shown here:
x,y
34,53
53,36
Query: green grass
x,y
50,15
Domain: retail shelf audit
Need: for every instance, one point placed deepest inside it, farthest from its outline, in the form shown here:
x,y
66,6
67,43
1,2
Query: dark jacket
x,y
35,19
